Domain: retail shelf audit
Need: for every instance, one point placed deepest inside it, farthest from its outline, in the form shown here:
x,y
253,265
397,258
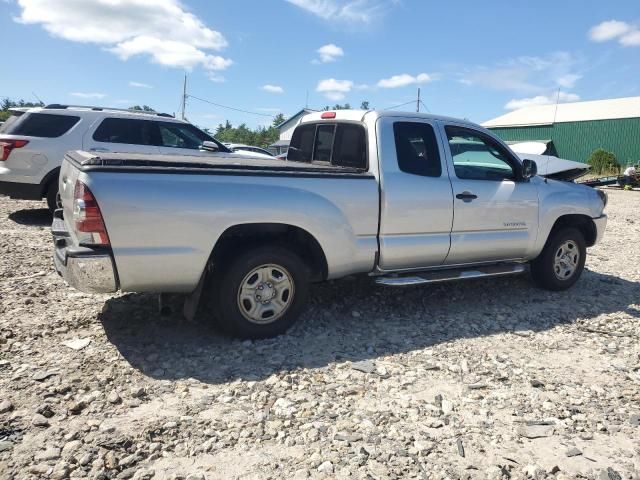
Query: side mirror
x,y
209,146
529,169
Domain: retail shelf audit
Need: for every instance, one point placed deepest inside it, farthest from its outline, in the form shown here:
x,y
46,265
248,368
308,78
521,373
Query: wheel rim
x,y
265,294
567,257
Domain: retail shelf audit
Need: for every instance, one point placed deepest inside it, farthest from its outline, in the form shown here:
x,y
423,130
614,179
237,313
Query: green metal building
x,y
574,130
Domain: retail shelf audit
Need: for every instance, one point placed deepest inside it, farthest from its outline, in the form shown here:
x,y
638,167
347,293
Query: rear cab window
x,y
341,144
46,125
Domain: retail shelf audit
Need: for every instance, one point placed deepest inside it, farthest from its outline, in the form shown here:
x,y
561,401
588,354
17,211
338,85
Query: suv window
x,y
341,144
126,130
417,149
47,125
181,135
478,157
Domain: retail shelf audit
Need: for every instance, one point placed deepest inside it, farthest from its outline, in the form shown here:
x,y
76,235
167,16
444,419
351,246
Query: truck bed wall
x,y
163,226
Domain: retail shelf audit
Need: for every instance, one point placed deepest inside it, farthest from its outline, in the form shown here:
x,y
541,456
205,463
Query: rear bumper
x,y
601,224
21,191
89,270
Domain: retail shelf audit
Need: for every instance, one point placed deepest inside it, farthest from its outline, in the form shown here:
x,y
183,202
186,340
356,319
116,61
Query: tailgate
x,y
69,173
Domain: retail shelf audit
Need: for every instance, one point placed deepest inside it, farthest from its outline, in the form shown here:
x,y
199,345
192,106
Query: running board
x,y
397,280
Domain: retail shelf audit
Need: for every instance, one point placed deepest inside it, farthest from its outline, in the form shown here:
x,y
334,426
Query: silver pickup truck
x,y
406,198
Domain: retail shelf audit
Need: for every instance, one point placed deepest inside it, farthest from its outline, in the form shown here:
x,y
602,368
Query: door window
x,y
180,135
478,157
126,130
417,149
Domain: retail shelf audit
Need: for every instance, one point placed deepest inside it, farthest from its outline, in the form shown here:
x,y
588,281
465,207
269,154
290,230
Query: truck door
x,y
495,214
416,202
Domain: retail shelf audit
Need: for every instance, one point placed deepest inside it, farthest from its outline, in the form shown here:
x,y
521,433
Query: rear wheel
x,y
53,198
261,293
561,262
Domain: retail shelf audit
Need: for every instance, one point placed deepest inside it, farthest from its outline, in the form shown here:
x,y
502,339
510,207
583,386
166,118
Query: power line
x,y
401,105
425,106
230,108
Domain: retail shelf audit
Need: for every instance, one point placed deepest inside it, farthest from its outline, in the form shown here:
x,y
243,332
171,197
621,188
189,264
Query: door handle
x,y
99,149
466,196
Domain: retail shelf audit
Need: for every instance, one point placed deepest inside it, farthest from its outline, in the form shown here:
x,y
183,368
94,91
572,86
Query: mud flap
x,y
191,302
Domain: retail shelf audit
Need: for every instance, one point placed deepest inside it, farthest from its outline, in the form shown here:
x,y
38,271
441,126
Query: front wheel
x,y
261,293
561,262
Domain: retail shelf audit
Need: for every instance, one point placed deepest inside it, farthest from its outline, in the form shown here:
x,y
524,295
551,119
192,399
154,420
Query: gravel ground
x,y
483,379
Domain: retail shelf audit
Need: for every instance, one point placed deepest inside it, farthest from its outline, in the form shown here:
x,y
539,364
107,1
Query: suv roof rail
x,y
59,106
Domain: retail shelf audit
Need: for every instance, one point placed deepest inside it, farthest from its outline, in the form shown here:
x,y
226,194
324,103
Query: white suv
x,y
33,142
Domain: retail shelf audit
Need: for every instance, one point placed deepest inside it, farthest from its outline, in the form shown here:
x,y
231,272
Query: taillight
x,y
7,145
87,217
328,115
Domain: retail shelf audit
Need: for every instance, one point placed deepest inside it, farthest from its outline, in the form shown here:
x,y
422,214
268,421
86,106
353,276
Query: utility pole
x,y
418,102
184,96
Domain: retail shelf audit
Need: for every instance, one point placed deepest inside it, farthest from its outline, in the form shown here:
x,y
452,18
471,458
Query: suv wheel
x,y
53,198
260,293
561,262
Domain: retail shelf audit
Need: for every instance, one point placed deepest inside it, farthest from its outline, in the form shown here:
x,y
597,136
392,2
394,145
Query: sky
x,y
471,59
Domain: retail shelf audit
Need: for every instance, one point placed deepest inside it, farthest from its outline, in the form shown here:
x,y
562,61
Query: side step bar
x,y
397,280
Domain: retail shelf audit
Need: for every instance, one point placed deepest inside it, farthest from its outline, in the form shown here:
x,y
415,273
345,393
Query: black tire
x,y
226,286
544,270
52,195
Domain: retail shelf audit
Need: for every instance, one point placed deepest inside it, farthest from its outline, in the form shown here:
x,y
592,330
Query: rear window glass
x,y
417,149
301,146
341,144
126,130
7,125
46,125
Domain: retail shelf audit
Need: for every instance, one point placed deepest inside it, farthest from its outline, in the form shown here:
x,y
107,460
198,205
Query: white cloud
x,y
550,99
272,88
631,39
216,78
608,30
87,95
348,11
404,80
568,80
160,29
170,53
526,74
334,89
626,34
329,53
140,85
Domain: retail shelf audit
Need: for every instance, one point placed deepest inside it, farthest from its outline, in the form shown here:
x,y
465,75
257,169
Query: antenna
x,y
418,101
306,103
184,97
555,112
37,97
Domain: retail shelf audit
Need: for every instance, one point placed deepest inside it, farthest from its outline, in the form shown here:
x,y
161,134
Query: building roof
x,y
280,143
614,108
295,116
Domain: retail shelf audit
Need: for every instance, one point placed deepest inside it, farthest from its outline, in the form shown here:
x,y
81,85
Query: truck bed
x,y
165,213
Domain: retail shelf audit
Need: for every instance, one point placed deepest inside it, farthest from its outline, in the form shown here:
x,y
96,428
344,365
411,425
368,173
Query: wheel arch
x,y
52,176
583,223
241,237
